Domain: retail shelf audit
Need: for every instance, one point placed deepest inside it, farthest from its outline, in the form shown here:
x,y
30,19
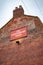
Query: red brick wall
x,y
30,50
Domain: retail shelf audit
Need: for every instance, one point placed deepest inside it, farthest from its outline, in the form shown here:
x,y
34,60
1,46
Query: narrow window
x,y
18,42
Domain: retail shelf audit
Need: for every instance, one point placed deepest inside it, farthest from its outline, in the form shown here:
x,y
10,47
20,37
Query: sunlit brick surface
x,y
30,49
27,53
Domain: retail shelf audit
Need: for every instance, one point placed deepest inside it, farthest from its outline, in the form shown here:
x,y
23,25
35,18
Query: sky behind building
x,y
31,7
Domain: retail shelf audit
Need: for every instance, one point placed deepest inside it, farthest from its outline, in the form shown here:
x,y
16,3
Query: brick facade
x,y
30,50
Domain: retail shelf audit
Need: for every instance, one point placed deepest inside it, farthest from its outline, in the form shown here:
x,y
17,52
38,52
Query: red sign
x,y
19,33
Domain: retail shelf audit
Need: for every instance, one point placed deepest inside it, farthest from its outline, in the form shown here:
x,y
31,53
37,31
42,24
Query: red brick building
x,y
26,50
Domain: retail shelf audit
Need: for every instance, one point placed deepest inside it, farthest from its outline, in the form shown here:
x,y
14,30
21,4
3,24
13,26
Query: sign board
x,y
19,33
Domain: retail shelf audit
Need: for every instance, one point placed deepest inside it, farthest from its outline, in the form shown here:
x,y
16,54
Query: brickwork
x,y
30,50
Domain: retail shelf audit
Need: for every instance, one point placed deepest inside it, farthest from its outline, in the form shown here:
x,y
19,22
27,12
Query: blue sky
x,y
31,7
